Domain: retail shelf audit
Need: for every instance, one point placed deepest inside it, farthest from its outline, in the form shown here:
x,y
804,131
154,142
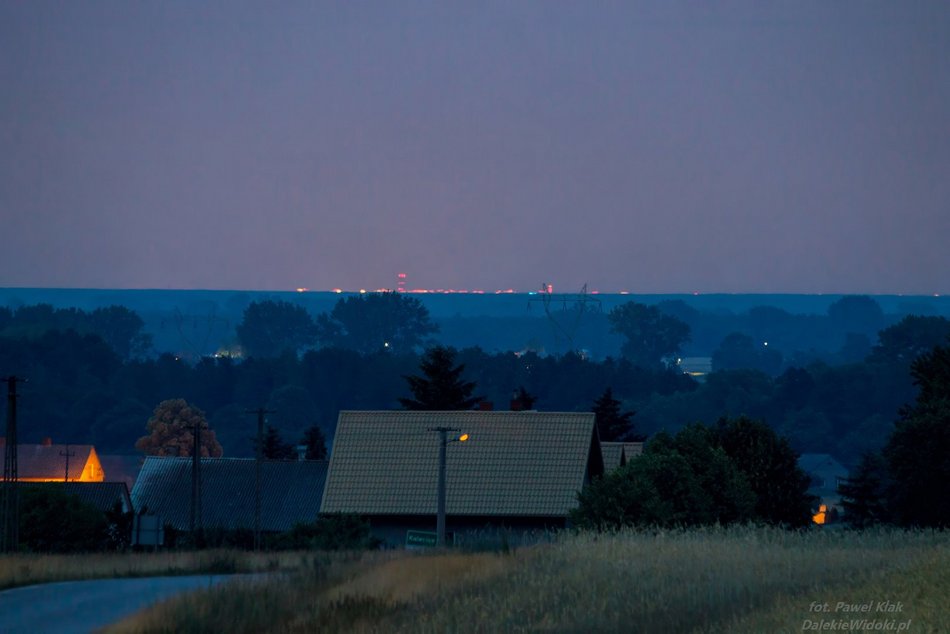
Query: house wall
x,y
476,532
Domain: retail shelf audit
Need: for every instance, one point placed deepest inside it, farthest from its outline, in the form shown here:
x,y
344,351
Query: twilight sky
x,y
652,147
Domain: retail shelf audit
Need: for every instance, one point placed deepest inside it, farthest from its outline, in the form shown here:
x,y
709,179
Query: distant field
x,y
24,570
741,580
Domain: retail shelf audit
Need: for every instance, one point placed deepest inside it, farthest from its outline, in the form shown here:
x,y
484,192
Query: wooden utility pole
x,y
11,501
195,479
261,412
67,453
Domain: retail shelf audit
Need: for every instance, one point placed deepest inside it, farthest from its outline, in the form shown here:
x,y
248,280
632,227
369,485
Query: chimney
x,y
47,442
485,406
301,452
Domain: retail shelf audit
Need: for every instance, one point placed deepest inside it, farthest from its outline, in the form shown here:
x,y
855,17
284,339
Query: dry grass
x,y
22,570
667,581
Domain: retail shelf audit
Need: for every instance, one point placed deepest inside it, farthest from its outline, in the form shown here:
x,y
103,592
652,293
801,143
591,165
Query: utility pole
x,y
11,502
440,513
67,453
260,411
195,478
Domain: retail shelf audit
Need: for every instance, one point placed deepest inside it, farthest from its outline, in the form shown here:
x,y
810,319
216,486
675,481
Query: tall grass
x,y
27,569
651,581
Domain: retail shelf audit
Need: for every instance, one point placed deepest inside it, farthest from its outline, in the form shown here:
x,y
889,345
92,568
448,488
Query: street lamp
x,y
440,517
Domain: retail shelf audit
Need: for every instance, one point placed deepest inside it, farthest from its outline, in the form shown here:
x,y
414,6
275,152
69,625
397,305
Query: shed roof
x,y
290,491
102,495
514,463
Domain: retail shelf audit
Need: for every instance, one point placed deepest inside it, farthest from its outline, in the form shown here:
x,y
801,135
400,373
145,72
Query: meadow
x,y
714,580
27,569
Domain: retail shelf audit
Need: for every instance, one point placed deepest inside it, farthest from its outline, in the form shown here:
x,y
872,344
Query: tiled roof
x,y
514,463
102,495
612,451
290,491
617,454
631,450
46,461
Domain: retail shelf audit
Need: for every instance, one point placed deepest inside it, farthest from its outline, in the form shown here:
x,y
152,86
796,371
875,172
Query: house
x,y
290,492
48,462
517,471
617,454
826,474
102,495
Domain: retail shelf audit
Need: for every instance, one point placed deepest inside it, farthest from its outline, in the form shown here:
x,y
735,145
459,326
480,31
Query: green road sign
x,y
423,539
420,538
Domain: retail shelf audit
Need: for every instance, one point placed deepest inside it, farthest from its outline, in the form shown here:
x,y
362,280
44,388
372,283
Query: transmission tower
x,y
582,303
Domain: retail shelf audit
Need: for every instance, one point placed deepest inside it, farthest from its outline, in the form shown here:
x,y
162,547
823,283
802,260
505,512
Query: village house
x,y
516,472
48,462
826,475
617,454
290,492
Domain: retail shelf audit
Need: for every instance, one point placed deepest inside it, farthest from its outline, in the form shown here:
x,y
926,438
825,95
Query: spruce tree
x,y
440,387
612,424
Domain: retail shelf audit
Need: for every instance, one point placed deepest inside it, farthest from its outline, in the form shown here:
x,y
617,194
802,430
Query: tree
x,y
911,337
315,442
52,521
523,400
440,388
612,424
170,431
684,480
270,328
650,334
856,313
122,329
918,451
771,467
274,447
739,351
863,494
375,322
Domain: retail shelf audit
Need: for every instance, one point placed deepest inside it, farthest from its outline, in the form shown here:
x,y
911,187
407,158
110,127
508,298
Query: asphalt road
x,y
78,607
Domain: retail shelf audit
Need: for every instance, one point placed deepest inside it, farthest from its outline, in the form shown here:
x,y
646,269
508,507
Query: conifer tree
x,y
440,387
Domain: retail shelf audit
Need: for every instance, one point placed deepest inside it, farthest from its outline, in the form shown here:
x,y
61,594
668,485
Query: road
x,y
79,607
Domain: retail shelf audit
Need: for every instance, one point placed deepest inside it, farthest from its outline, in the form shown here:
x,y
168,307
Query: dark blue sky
x,y
651,147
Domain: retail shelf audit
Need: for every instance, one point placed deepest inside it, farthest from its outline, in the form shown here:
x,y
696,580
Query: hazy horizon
x,y
642,147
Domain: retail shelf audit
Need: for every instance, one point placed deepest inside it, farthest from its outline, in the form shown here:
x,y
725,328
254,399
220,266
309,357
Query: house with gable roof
x,y
617,454
49,462
517,471
290,492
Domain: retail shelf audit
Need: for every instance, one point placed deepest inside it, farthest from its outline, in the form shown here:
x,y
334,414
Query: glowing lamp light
x,y
819,517
463,437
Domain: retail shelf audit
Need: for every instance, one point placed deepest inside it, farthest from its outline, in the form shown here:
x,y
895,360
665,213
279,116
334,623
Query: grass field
x,y
23,570
737,580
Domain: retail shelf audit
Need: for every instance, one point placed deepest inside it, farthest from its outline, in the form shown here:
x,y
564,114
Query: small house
x,y
48,462
517,471
290,492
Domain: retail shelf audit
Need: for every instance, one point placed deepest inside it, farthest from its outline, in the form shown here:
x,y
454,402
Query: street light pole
x,y
440,513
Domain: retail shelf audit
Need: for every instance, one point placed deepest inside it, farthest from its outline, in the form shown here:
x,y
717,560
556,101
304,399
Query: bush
x,y
52,521
343,531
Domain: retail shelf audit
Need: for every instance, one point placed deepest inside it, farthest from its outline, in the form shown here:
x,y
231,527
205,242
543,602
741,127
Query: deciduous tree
x,y
270,328
170,431
918,452
374,322
651,335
